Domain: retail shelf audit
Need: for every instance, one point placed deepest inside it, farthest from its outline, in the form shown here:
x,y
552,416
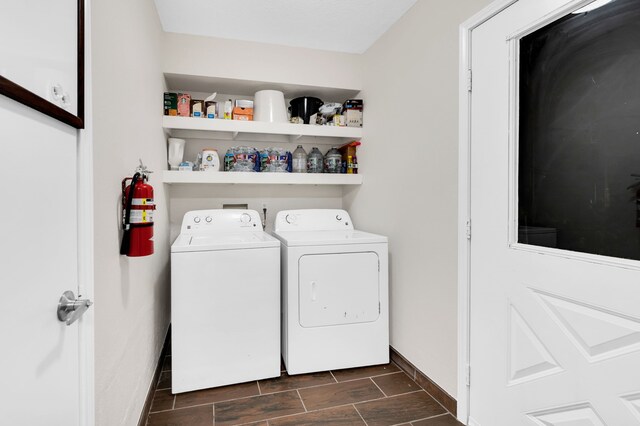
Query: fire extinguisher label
x,y
141,216
142,202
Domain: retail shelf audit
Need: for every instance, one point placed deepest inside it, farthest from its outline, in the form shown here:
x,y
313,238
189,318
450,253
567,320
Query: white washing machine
x,y
225,301
335,292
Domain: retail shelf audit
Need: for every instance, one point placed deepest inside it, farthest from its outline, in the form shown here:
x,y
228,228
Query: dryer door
x,y
338,288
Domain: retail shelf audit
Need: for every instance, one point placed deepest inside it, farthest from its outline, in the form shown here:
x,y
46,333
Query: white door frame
x,y
464,197
464,200
86,356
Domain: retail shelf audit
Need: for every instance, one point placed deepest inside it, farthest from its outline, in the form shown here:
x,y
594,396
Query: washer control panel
x,y
313,220
220,220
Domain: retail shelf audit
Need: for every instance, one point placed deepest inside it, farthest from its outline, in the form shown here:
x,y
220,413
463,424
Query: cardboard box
x,y
353,104
243,103
243,114
170,104
348,150
211,109
184,104
353,118
197,108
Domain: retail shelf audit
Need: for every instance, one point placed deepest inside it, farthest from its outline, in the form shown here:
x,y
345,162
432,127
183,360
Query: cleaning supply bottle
x,y
228,109
299,160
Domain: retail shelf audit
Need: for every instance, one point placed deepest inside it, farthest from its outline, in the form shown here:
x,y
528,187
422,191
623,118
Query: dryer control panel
x,y
218,220
313,220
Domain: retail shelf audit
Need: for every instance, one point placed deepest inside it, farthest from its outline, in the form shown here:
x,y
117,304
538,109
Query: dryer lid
x,y
322,238
223,241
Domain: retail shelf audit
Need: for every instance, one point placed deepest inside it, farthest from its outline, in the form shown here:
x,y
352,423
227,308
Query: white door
x,y
338,289
38,258
555,295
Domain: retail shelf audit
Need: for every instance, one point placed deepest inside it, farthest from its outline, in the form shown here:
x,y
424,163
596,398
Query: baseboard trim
x,y
146,408
425,382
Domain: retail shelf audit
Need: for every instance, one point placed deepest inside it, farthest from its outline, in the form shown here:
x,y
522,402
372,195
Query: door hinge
x,y
467,375
469,229
469,80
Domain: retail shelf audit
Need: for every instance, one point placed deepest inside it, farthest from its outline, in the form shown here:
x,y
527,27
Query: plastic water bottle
x,y
315,162
299,160
229,159
333,161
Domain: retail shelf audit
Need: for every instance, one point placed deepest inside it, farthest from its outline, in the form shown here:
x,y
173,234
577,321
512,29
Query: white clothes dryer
x,y
225,301
335,292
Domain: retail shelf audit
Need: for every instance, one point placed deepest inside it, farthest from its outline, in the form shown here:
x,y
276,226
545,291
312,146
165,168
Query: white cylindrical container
x,y
176,152
269,106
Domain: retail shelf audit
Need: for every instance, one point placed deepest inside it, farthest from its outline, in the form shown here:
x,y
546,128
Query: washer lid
x,y
326,238
223,241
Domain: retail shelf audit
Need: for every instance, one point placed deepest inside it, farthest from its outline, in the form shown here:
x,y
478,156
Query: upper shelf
x,y
203,128
209,84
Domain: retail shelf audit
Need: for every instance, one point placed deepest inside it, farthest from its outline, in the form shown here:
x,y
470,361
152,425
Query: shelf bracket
x,y
293,138
234,135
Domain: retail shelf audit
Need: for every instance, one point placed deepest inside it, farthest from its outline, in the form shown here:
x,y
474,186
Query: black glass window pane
x,y
579,133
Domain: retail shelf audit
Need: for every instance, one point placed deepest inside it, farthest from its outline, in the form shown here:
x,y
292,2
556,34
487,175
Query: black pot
x,y
305,107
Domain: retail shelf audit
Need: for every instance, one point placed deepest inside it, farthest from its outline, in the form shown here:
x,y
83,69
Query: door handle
x,y
70,308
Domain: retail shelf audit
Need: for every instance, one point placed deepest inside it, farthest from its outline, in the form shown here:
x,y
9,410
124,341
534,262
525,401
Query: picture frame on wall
x,y
44,73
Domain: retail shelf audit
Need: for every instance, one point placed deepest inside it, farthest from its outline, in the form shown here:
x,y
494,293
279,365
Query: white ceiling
x,y
340,25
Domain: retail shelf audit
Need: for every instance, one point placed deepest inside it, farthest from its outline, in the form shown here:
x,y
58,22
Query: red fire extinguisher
x,y
137,214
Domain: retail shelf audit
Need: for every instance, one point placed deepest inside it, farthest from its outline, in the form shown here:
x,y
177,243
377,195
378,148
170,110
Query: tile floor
x,y
371,396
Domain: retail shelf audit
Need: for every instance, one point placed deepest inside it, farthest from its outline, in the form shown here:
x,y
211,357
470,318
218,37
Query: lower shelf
x,y
172,176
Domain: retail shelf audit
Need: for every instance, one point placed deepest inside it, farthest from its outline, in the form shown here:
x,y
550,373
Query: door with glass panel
x,y
555,190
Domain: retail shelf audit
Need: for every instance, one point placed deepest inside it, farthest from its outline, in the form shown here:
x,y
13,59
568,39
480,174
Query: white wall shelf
x,y
175,177
203,128
209,84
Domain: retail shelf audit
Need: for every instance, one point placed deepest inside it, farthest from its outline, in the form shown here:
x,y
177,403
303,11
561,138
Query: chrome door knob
x,y
70,308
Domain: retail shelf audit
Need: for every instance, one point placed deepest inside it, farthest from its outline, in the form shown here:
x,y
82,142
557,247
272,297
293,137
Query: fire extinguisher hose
x,y
126,237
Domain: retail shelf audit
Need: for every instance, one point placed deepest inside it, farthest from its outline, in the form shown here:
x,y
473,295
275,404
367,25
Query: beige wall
x,y
244,60
409,160
131,294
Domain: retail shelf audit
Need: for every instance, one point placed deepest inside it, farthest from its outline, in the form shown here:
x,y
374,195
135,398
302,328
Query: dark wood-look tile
x,y
446,420
287,382
166,365
339,394
223,393
340,416
257,408
165,380
193,416
162,400
396,383
359,373
399,409
437,392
